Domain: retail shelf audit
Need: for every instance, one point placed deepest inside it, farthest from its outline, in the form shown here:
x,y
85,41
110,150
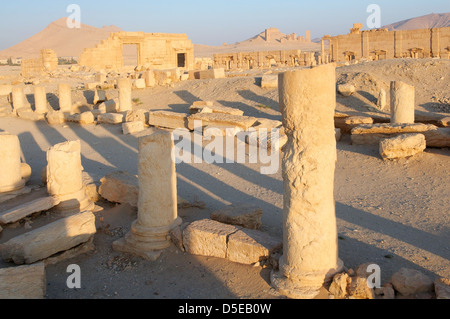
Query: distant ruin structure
x,y
157,50
273,34
380,44
47,62
264,59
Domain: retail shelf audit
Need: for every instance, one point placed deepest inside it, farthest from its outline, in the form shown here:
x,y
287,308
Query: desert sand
x,y
391,213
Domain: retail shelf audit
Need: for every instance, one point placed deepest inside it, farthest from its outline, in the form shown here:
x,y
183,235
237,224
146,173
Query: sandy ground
x,y
394,213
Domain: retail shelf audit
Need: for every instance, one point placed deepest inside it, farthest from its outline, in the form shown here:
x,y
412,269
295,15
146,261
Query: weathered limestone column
x,y
157,202
402,103
310,259
65,98
124,86
65,179
10,165
40,100
18,97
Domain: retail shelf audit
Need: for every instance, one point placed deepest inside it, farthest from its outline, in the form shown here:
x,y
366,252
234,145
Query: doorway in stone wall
x,y
181,57
130,54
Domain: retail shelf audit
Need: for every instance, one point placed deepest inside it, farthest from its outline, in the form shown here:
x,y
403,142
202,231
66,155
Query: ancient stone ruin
x,y
380,44
158,50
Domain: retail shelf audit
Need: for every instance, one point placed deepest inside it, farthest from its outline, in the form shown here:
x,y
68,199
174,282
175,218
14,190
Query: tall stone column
x,y
157,202
310,257
40,100
402,103
65,179
18,97
124,86
65,98
10,168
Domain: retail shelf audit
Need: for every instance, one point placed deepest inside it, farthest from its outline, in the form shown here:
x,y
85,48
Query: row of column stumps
x,y
157,201
124,86
63,174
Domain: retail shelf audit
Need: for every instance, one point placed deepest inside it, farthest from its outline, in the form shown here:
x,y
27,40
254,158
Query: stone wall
x,y
264,59
47,62
381,44
155,50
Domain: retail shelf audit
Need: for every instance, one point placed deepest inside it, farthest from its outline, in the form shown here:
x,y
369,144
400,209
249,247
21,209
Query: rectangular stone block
x,y
207,238
100,96
109,106
170,120
210,74
218,119
373,134
405,145
269,81
23,282
248,246
27,209
110,118
49,240
132,127
140,84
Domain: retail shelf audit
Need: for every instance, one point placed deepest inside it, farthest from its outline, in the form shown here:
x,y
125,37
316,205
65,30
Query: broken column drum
x,y
10,168
65,179
18,97
124,86
310,243
402,103
40,100
65,98
157,201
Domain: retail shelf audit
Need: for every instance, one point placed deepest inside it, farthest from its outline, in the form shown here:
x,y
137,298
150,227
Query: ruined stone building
x,y
381,44
264,59
157,50
47,62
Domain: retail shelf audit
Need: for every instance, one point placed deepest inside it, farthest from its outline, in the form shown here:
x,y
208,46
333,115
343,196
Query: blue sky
x,y
209,22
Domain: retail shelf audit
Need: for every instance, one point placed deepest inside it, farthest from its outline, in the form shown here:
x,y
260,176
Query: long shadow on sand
x,y
413,236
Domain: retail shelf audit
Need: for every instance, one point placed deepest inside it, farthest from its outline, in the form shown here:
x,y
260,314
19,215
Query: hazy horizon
x,y
206,22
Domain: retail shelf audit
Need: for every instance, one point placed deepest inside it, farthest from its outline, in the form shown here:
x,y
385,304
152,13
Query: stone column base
x,y
74,203
305,285
147,243
13,188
